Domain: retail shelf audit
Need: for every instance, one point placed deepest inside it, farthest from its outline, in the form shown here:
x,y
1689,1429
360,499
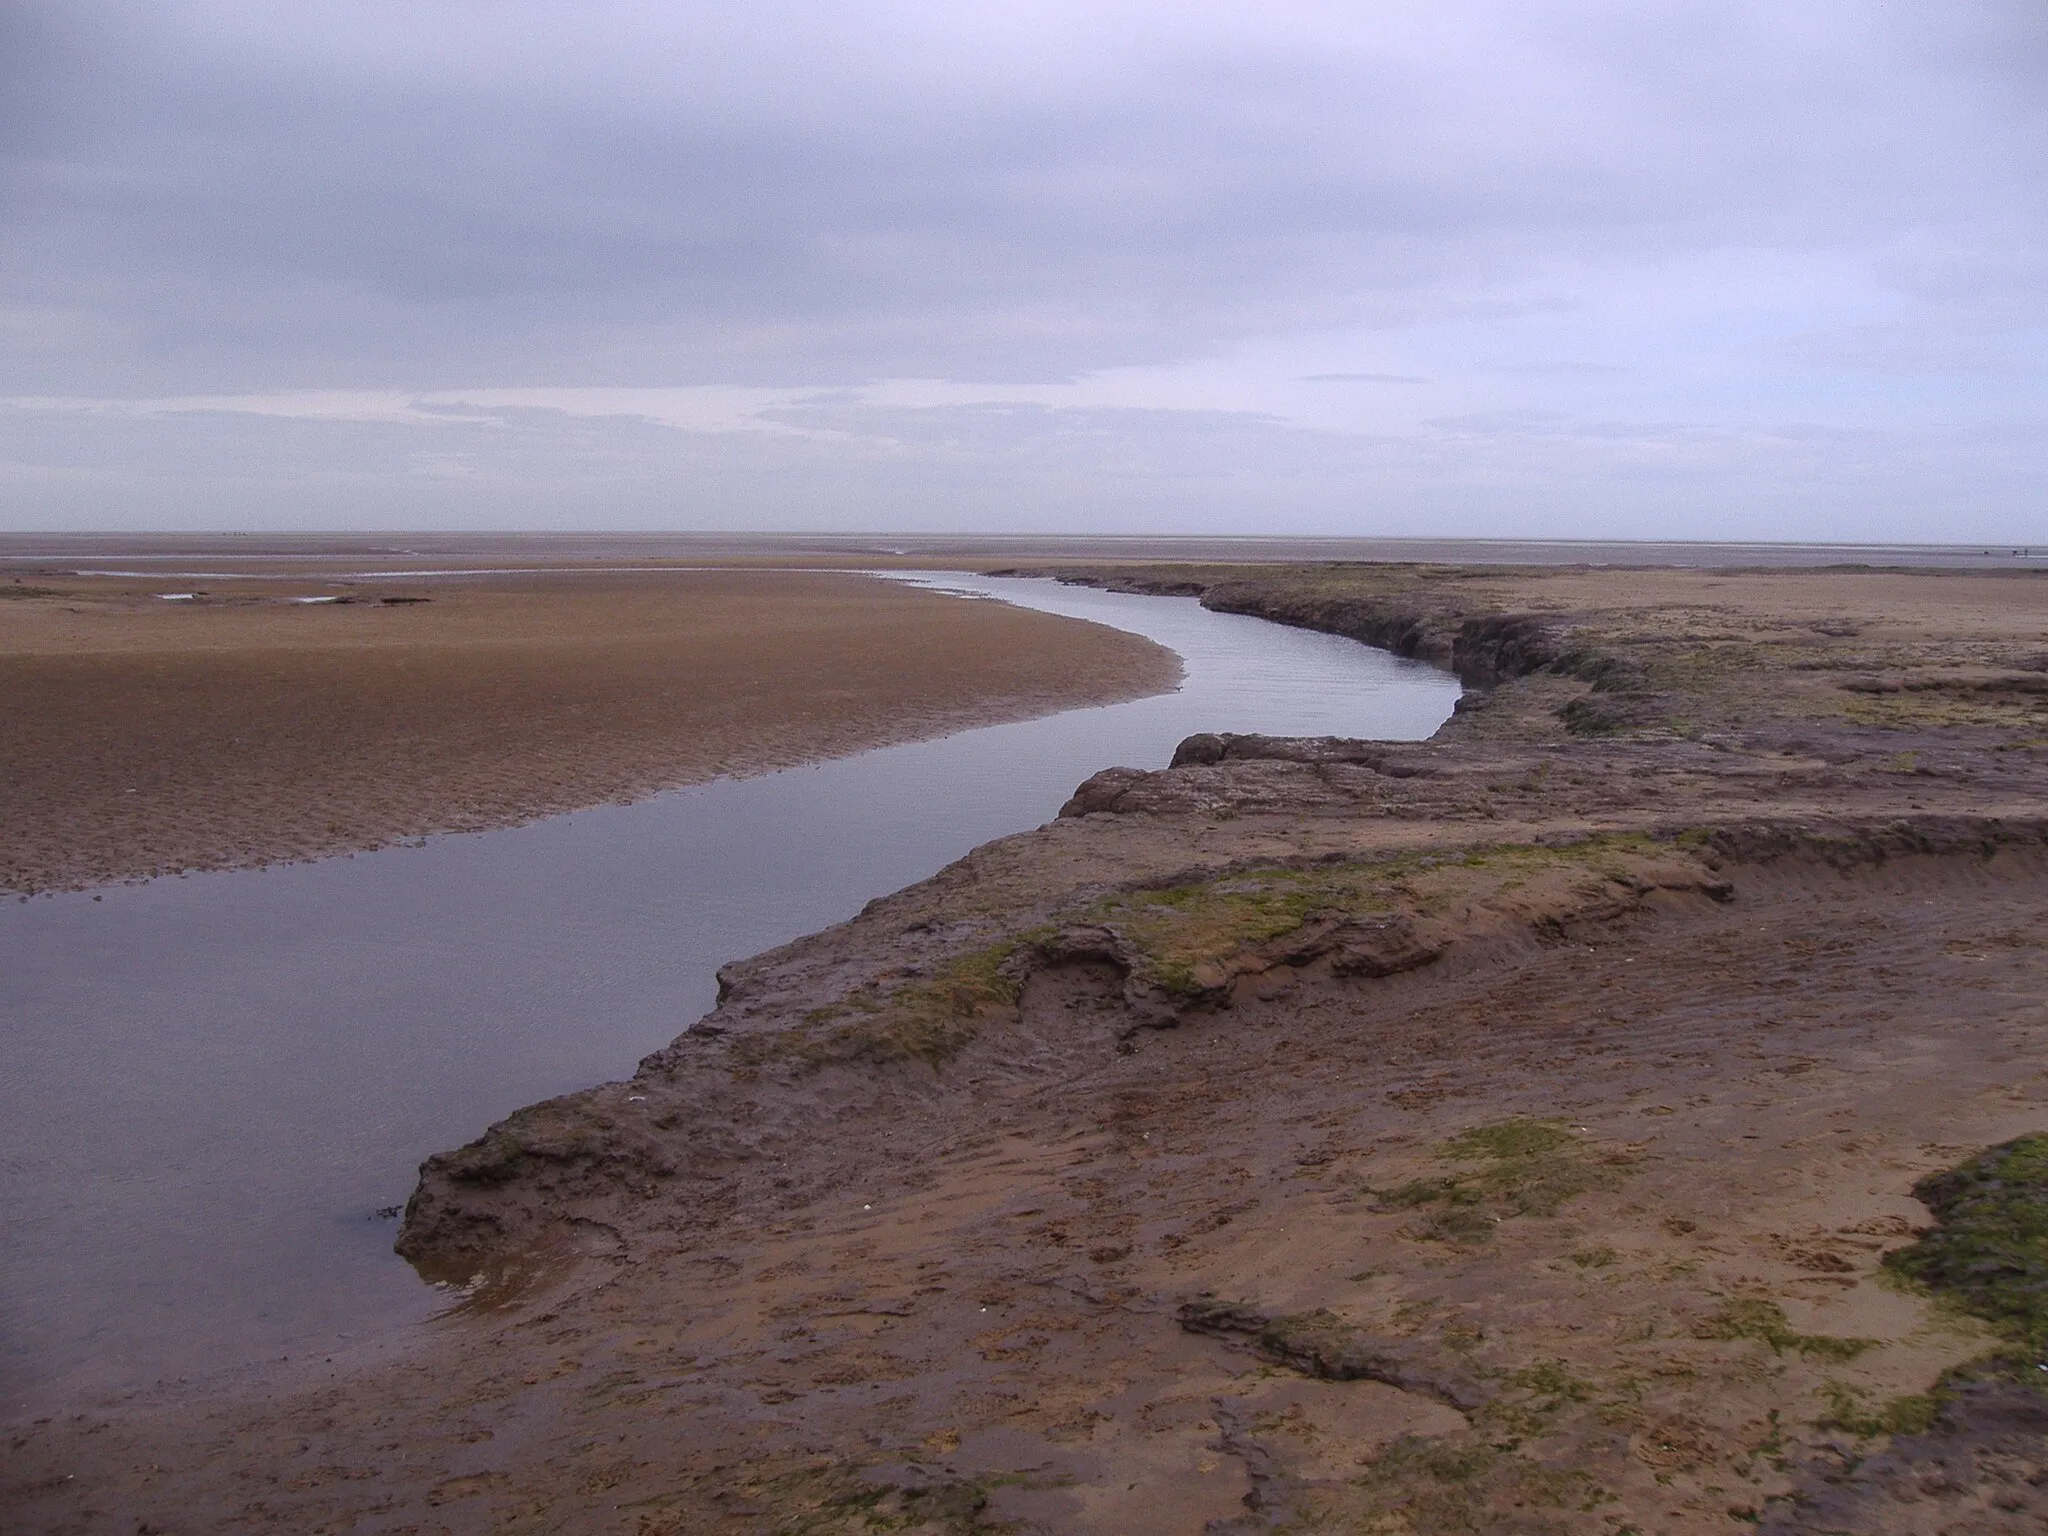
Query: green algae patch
x,y
1519,1167
834,1499
927,1021
1550,1381
1176,931
1913,1414
1185,941
1988,1253
1765,1323
1429,1486
1184,937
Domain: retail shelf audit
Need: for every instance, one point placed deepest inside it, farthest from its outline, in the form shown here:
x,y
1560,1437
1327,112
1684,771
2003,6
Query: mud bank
x,y
1502,1133
266,719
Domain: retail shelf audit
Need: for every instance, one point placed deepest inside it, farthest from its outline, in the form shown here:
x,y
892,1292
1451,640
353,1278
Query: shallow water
x,y
209,1086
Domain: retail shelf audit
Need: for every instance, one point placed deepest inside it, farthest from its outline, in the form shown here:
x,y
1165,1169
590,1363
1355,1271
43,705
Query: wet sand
x,y
245,726
1503,1133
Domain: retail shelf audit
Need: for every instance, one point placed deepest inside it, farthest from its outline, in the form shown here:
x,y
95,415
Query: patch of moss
x,y
928,1021
1936,711
1766,1323
1442,1486
1418,1192
1522,1167
1532,1167
1438,1460
1534,1397
1459,1224
1177,930
1988,1253
1913,1414
1550,1379
953,1506
837,1499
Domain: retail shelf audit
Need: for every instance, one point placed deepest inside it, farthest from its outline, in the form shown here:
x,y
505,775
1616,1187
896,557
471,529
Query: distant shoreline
x,y
309,551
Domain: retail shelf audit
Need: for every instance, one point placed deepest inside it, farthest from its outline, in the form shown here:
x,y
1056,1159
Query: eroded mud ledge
x,y
1502,1133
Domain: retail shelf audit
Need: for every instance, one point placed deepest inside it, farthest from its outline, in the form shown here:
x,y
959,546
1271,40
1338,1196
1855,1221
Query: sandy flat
x,y
245,726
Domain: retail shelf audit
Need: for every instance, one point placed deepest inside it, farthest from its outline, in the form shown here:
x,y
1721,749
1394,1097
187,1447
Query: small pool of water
x,y
211,1086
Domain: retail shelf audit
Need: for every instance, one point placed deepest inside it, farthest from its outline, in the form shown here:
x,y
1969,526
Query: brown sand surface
x,y
1498,1134
147,736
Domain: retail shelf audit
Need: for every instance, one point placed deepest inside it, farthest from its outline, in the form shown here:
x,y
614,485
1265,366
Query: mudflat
x,y
1624,1112
294,717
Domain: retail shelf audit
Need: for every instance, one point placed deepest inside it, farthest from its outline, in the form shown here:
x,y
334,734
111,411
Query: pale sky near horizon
x,y
1428,267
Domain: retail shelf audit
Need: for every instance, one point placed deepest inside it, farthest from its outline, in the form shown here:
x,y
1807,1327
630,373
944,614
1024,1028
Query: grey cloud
x,y
847,466
1362,378
1551,370
223,197
1502,422
1909,350
269,211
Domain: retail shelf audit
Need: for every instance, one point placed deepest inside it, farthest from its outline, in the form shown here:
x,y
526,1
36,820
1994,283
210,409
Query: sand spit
x,y
272,719
1505,1133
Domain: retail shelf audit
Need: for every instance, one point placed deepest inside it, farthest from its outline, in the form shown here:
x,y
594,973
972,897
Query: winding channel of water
x,y
210,1087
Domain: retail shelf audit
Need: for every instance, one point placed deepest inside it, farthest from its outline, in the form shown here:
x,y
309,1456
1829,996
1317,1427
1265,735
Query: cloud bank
x,y
1455,267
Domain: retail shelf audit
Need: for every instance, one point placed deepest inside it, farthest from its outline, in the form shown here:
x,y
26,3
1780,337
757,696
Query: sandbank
x,y
250,721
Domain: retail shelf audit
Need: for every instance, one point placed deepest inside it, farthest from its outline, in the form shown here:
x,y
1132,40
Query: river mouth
x,y
214,1090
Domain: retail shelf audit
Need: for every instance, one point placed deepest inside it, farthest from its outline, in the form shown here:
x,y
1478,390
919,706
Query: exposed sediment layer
x,y
1502,1133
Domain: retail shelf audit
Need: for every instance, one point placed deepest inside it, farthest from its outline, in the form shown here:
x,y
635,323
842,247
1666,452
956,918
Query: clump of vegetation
x,y
23,589
1533,1166
1549,1379
1520,1167
928,1021
837,1500
952,1505
1766,1323
1913,1414
1530,1402
1988,1254
1176,932
1441,1461
1437,1486
1179,939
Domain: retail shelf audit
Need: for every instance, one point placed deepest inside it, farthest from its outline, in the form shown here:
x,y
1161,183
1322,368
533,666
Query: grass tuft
x,y
1766,1323
1519,1167
1913,1414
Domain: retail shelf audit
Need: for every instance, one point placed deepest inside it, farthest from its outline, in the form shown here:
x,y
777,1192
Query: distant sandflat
x,y
148,736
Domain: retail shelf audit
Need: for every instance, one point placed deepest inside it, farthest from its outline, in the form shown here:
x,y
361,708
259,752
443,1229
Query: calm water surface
x,y
209,1086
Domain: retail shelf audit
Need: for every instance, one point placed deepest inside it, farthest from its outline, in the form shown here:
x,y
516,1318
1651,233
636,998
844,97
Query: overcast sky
x,y
1588,269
